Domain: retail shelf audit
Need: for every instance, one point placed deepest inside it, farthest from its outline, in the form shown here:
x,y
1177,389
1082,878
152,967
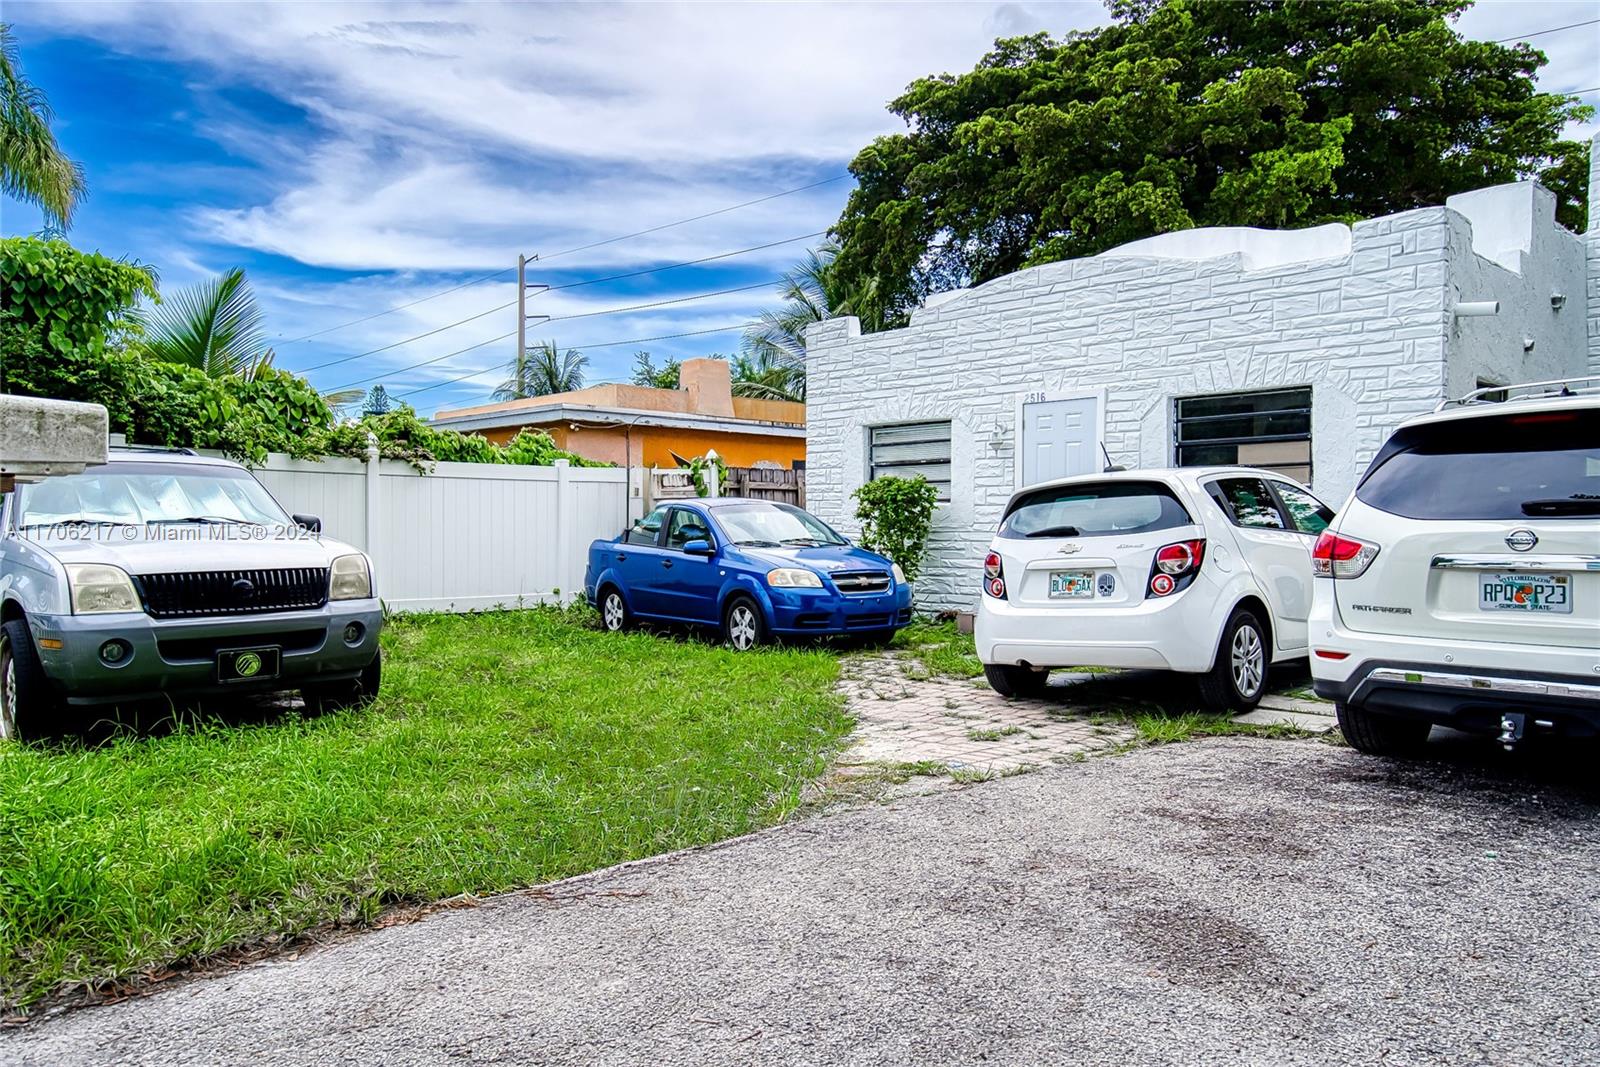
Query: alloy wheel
x,y
742,628
8,696
612,611
1249,661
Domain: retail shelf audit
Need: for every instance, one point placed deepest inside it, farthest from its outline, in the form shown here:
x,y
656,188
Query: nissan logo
x,y
1521,540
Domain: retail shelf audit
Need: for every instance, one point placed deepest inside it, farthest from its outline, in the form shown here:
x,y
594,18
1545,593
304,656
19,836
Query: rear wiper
x,y
1577,504
1055,531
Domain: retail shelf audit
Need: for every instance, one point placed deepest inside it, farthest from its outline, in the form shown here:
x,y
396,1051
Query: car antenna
x,y
1110,466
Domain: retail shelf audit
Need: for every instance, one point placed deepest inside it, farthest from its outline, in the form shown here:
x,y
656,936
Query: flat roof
x,y
593,415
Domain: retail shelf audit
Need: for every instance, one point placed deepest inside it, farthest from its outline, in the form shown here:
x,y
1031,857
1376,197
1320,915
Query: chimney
x,y
710,386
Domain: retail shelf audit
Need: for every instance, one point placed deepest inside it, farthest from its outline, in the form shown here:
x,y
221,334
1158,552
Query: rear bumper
x,y
1178,633
1470,701
173,657
1466,685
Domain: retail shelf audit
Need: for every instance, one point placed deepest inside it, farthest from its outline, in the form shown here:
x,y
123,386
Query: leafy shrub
x,y
896,515
697,474
73,298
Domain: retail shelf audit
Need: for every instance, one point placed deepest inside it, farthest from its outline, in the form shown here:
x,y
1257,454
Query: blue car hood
x,y
826,558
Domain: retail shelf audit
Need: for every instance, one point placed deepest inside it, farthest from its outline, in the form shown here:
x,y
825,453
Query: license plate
x,y
1544,593
248,664
1072,585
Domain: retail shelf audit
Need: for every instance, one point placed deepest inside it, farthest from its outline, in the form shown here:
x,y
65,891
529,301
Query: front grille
x,y
861,581
247,592
178,649
868,622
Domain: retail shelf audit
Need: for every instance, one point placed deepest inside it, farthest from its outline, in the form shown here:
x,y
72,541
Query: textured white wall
x,y
1370,331
1592,239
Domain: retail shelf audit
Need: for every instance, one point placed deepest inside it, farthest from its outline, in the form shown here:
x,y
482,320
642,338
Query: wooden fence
x,y
757,483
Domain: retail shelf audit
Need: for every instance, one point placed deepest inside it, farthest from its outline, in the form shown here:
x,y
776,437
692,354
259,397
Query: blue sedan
x,y
754,568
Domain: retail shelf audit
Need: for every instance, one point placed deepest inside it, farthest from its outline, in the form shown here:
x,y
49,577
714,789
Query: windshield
x,y
1520,466
772,525
140,493
1084,510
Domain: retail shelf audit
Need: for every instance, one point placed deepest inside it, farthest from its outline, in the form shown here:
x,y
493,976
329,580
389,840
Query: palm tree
x,y
215,325
774,350
542,370
32,166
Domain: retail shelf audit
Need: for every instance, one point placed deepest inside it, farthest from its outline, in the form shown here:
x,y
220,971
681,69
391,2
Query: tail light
x,y
1175,566
1334,556
994,579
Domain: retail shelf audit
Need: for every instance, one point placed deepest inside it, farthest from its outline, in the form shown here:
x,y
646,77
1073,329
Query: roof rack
x,y
1493,394
168,450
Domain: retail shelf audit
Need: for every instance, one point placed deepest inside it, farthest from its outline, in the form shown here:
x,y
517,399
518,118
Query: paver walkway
x,y
904,717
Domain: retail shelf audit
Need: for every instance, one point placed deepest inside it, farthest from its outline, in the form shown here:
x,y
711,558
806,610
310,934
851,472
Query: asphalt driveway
x,y
1228,901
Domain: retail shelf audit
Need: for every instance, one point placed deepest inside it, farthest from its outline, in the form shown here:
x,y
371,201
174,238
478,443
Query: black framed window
x,y
1269,429
910,449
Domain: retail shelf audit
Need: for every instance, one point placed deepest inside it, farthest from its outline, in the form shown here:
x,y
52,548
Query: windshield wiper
x,y
1577,504
759,543
810,541
209,520
1055,531
76,522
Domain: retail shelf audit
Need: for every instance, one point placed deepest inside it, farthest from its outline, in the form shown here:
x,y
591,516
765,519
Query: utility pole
x,y
522,306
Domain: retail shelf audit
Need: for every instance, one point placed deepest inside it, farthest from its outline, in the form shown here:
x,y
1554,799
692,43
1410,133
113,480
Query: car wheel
x,y
743,626
613,611
355,692
1381,735
27,701
1239,676
1012,682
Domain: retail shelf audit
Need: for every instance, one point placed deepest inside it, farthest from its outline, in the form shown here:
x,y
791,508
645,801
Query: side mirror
x,y
309,523
698,547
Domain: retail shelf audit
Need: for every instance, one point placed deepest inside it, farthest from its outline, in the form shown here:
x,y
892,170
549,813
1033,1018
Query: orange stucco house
x,y
632,425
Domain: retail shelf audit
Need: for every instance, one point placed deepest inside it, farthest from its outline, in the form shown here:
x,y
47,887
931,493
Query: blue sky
x,y
357,157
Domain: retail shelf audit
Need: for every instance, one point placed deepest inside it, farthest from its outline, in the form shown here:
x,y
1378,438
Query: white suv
x,y
1204,570
1461,583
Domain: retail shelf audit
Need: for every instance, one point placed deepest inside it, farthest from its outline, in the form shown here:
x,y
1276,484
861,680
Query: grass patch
x,y
507,749
1156,728
995,733
936,649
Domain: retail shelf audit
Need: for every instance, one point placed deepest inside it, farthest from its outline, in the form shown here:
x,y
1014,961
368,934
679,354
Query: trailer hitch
x,y
1512,726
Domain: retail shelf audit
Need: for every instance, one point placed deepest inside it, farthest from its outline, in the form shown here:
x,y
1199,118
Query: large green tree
x,y
1182,113
32,165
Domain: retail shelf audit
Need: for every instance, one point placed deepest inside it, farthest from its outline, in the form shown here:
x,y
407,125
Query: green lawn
x,y
507,749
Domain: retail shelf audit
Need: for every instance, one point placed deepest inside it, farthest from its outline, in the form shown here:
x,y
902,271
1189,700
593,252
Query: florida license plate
x,y
1071,585
247,664
1545,593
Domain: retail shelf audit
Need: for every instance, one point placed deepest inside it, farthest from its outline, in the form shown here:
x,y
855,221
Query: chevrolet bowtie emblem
x,y
1069,549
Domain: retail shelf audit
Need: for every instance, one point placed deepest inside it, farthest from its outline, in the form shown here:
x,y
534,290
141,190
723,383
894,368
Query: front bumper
x,y
178,656
1176,633
823,611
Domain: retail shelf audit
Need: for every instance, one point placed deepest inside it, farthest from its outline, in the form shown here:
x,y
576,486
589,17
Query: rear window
x,y
1094,508
1525,466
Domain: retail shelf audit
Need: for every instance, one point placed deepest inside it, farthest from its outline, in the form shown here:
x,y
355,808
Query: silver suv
x,y
163,573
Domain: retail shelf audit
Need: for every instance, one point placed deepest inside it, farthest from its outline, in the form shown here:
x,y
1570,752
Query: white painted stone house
x,y
1297,350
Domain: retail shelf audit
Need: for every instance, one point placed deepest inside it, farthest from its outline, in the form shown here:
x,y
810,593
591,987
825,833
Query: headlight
x,y
97,589
349,578
793,578
899,575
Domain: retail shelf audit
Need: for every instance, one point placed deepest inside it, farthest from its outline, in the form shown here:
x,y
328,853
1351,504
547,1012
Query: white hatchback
x,y
1460,585
1202,570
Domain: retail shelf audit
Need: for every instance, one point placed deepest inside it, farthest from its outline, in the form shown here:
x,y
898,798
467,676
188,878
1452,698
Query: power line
x,y
424,363
663,303
696,218
567,251
606,344
688,263
589,281
1541,33
408,340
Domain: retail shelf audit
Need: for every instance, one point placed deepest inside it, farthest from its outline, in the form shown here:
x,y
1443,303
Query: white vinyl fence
x,y
466,536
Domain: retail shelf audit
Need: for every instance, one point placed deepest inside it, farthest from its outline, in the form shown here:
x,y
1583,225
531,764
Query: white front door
x,y
1060,438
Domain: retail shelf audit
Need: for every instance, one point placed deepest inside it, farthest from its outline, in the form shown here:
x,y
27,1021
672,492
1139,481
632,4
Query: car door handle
x,y
666,563
621,557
